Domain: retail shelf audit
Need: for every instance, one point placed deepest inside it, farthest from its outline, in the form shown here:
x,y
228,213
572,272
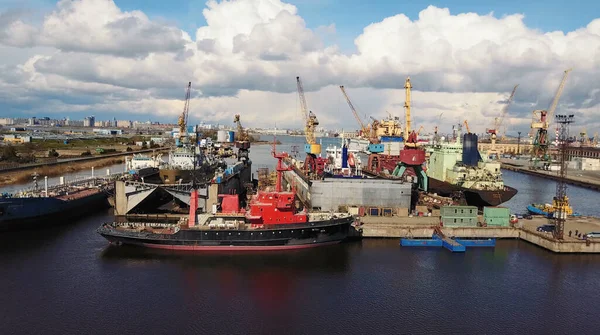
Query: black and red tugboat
x,y
271,222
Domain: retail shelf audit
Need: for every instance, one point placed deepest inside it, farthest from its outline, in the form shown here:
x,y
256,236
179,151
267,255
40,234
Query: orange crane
x,y
364,129
183,118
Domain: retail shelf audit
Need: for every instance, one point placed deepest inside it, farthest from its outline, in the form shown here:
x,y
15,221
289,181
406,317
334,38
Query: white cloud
x,y
246,58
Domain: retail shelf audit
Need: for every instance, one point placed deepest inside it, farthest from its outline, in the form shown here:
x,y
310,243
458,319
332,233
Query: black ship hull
x,y
282,237
31,213
479,198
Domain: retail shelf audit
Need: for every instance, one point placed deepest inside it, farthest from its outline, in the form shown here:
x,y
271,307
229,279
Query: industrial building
x,y
332,193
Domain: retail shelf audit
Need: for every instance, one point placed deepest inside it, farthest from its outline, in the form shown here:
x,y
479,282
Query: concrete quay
x,y
587,179
423,227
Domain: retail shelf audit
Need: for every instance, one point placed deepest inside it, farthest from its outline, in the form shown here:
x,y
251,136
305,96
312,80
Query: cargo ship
x,y
187,162
457,169
271,222
33,209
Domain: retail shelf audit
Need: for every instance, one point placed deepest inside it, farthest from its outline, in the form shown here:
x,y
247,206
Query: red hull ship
x,y
272,222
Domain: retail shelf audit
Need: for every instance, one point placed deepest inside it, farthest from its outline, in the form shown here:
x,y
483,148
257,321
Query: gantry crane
x,y
365,129
312,164
183,118
540,123
498,123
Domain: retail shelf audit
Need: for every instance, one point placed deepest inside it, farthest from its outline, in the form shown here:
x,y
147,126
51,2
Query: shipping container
x,y
353,210
435,212
374,211
459,222
403,212
497,222
386,212
459,211
496,212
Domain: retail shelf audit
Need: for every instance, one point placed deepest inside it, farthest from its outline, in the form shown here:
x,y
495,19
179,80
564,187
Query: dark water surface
x,y
67,280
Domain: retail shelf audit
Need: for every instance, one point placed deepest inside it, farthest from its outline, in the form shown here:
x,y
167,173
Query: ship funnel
x,y
470,154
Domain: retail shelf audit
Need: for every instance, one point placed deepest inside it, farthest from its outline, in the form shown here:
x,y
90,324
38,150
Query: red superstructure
x,y
267,208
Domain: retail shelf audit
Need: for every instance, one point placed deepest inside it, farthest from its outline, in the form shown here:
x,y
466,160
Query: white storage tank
x,y
222,136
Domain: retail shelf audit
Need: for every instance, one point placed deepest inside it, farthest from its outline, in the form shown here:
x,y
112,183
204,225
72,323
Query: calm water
x,y
66,280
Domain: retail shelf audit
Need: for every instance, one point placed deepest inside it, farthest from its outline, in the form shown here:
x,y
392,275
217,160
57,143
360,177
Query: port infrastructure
x,y
561,199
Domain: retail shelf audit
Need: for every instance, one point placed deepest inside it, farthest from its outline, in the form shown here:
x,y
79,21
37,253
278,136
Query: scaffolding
x,y
561,200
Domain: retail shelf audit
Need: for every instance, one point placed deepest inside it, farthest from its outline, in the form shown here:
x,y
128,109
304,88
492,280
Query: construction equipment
x,y
467,126
364,129
539,124
498,122
242,140
183,118
407,88
313,164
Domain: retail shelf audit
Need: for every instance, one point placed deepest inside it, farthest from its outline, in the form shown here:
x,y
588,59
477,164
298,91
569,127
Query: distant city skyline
x,y
132,59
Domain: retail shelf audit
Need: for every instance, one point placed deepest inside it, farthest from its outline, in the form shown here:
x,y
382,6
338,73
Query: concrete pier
x,y
587,179
422,227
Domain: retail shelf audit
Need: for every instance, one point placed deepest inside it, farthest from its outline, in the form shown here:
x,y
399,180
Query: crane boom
x,y
363,128
500,120
310,119
559,91
183,118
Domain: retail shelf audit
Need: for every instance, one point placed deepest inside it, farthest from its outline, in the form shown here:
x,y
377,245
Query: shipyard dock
x,y
585,179
526,230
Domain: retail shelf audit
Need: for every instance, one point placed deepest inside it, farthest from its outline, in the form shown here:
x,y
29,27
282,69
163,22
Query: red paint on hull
x,y
236,248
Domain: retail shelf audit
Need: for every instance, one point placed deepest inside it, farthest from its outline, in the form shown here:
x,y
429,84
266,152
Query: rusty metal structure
x,y
561,200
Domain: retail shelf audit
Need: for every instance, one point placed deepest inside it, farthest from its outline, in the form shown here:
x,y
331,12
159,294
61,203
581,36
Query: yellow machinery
x,y
364,129
311,123
407,87
467,126
183,118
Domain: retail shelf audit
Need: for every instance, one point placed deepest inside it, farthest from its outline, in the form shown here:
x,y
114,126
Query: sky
x,y
132,59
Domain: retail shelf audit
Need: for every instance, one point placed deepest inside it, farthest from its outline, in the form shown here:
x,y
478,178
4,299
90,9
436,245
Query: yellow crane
x,y
183,118
241,134
407,88
310,123
363,128
467,126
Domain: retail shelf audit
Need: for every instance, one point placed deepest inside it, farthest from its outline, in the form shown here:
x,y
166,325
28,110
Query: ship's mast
x,y
407,87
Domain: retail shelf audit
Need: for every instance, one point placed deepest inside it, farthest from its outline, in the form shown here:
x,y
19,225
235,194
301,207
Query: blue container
x,y
490,242
376,148
409,242
230,136
470,154
392,139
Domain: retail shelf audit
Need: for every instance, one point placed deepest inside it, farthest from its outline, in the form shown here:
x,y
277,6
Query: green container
x,y
459,222
459,211
497,222
496,212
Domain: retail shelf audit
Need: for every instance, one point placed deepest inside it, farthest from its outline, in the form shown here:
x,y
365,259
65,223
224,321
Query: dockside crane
x,y
242,140
540,123
498,123
365,129
183,118
312,164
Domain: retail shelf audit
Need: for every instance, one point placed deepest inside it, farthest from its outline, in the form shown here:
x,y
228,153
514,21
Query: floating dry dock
x,y
422,228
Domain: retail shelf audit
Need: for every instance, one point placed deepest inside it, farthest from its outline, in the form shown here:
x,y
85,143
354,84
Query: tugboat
x,y
271,222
